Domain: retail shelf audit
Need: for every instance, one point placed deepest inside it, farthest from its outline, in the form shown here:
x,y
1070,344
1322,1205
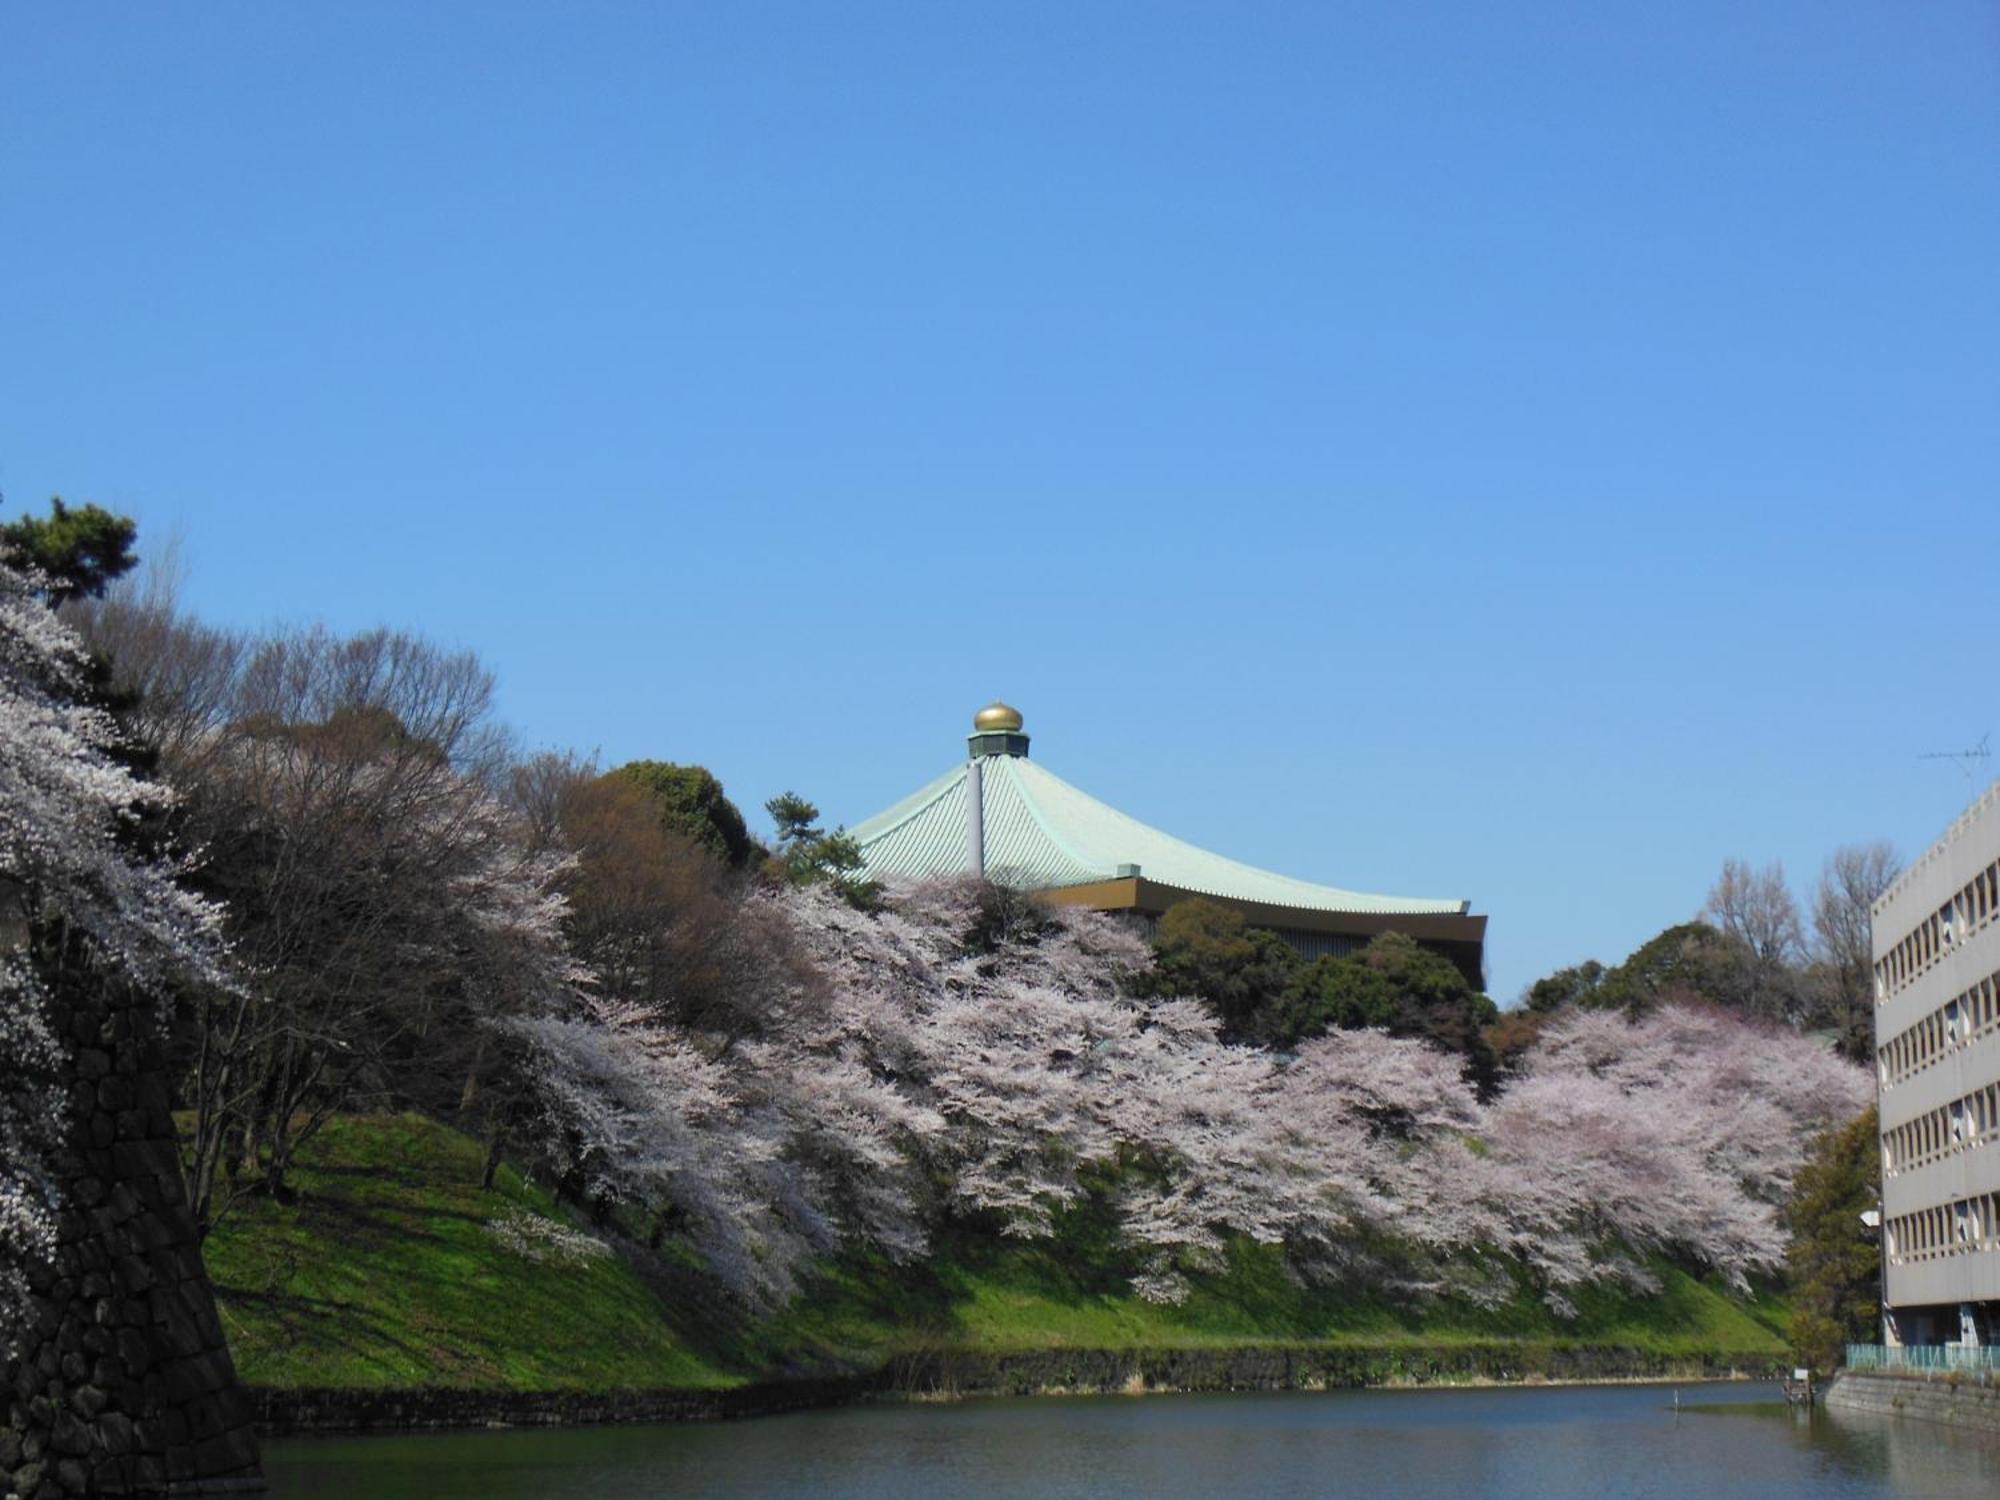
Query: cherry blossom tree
x,y
967,1054
394,908
79,902
1680,1131
766,1154
385,889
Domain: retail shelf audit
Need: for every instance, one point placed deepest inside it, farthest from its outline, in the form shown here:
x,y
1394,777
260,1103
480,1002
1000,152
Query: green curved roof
x,y
1040,832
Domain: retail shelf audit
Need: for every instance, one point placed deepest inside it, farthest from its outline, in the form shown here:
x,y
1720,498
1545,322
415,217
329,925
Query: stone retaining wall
x,y
286,1412
939,1374
124,1384
1967,1401
1284,1368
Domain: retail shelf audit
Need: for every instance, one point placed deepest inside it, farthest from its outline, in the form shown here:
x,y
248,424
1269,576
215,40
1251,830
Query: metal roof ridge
x,y
1034,811
919,802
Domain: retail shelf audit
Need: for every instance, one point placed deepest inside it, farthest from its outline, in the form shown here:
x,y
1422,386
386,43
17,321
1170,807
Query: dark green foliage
x,y
1577,985
1203,948
1264,993
795,818
690,801
809,856
1398,985
1689,961
80,550
1751,953
833,859
1854,1038
1834,1259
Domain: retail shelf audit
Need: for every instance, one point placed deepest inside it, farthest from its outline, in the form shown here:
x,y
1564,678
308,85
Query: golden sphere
x,y
997,718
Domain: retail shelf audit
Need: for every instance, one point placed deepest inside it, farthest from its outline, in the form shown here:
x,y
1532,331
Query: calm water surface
x,y
1601,1442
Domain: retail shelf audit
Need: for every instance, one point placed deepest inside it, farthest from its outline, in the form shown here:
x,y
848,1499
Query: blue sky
x,y
1521,452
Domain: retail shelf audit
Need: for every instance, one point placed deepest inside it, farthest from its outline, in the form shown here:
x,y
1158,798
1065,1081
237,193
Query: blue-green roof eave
x,y
1042,833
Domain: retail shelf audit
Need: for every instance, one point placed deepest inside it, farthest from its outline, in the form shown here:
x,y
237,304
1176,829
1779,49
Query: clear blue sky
x,y
1520,452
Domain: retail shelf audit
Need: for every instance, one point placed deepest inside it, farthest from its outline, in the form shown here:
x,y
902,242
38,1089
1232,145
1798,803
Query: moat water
x,y
1600,1442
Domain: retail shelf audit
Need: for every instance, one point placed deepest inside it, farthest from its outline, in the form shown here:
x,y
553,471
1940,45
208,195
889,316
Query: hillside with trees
x,y
765,1086
1750,950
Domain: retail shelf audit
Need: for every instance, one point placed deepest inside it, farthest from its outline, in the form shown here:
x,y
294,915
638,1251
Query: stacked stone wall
x,y
285,1412
1291,1368
946,1374
123,1383
1967,1400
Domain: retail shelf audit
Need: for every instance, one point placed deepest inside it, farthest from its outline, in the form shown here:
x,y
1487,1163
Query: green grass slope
x,y
392,1268
1003,1299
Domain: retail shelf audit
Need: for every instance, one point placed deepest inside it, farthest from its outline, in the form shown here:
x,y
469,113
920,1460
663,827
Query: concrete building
x,y
1937,1049
1002,816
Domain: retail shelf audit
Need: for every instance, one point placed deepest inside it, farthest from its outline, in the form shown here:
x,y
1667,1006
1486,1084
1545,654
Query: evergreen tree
x,y
78,552
691,801
809,856
1834,1259
1241,973
1397,985
1260,991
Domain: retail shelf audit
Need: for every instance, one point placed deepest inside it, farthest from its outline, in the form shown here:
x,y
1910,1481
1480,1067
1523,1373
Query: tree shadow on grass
x,y
290,1320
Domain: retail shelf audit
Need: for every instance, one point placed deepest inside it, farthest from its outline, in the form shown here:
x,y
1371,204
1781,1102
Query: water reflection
x,y
1625,1441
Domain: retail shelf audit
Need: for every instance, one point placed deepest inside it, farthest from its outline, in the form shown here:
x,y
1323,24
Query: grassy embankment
x,y
387,1271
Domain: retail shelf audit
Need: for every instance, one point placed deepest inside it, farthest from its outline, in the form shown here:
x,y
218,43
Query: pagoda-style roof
x,y
1037,831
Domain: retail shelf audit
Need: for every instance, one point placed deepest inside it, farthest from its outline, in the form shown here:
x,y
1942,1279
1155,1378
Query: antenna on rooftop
x,y
1972,762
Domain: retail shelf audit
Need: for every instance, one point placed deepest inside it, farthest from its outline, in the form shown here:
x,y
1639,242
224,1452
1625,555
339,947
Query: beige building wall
x,y
1937,1036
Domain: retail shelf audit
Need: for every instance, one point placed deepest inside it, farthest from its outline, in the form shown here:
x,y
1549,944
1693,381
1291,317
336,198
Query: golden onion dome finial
x,y
997,718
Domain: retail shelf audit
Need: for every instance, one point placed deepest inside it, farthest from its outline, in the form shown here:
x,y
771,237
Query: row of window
x,y
1954,1023
1951,924
1954,1228
1970,1121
